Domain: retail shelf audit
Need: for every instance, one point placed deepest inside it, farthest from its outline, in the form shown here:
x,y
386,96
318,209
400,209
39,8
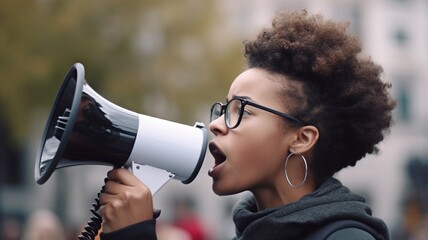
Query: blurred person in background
x,y
185,218
166,231
307,106
43,224
10,229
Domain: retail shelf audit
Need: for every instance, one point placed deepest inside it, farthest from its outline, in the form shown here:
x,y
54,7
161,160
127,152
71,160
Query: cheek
x,y
260,151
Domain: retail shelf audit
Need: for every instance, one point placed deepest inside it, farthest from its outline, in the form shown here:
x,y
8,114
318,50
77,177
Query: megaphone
x,y
83,128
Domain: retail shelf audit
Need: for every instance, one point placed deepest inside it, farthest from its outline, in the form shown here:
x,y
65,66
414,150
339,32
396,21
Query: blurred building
x,y
394,33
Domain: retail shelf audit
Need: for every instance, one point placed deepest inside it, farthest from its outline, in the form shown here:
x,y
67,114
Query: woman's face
x,y
251,156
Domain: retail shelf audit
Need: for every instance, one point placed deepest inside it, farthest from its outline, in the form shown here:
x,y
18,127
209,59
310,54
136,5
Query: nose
x,y
218,126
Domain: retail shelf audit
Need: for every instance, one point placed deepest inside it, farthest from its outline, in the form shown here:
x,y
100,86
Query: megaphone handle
x,y
152,177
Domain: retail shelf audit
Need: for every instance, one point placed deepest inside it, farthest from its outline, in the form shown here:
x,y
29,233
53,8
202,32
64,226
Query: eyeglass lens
x,y
216,111
232,112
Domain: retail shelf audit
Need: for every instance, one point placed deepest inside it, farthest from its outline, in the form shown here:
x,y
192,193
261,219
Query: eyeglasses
x,y
235,108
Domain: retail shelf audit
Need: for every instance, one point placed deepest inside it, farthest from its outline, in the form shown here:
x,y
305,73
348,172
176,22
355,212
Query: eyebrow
x,y
241,97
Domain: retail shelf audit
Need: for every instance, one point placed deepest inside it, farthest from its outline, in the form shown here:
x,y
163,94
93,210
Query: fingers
x,y
112,187
125,200
124,186
123,176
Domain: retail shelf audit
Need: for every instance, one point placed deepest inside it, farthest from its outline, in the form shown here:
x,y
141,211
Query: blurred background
x,y
171,60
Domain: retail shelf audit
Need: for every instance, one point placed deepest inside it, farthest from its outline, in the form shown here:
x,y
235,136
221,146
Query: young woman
x,y
306,107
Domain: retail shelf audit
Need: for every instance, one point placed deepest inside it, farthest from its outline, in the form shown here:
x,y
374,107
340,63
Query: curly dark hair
x,y
343,94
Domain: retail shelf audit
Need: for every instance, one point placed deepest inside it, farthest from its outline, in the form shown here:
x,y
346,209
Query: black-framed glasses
x,y
235,108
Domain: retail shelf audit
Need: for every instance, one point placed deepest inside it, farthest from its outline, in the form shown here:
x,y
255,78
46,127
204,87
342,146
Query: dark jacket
x,y
145,230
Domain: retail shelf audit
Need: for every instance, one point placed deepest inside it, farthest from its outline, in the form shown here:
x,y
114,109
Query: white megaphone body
x,y
85,129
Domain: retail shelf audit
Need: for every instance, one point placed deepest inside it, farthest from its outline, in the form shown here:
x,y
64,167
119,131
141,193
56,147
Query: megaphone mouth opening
x,y
60,123
201,156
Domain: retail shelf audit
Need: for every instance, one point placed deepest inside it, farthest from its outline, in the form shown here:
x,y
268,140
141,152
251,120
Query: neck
x,y
282,195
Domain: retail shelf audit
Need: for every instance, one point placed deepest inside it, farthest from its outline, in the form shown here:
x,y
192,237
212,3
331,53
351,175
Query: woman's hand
x,y
125,201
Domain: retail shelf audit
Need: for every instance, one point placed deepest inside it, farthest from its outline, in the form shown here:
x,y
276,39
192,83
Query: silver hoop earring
x,y
306,171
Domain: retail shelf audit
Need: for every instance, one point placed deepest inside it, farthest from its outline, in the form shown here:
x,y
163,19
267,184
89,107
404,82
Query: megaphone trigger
x,y
153,178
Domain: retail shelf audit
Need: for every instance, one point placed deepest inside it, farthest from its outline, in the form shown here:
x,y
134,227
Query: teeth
x,y
212,169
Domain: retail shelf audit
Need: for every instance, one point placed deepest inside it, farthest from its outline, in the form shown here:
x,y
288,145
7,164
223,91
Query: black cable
x,y
94,224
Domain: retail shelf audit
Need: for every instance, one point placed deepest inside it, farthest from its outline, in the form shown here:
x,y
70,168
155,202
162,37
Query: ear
x,y
305,139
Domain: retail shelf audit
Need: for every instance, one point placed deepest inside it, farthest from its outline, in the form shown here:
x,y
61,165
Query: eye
x,y
247,112
234,106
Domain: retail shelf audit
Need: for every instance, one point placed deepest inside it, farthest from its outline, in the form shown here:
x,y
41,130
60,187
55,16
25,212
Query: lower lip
x,y
214,170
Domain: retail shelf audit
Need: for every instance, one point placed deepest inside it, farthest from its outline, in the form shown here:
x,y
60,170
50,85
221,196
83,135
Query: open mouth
x,y
218,156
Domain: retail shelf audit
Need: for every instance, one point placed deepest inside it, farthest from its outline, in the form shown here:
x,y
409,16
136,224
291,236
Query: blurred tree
x,y
189,57
163,58
40,40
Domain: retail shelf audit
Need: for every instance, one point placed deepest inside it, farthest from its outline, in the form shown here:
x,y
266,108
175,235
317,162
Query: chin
x,y
221,191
